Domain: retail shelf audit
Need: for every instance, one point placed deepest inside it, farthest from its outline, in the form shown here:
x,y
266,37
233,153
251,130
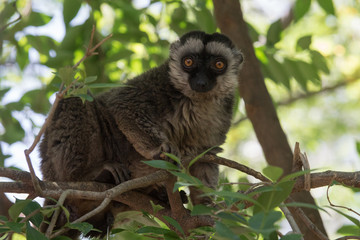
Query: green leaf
x,y
291,237
66,212
188,178
70,10
319,61
358,147
276,71
205,19
83,227
270,200
161,164
225,231
14,226
274,33
105,85
235,195
232,216
30,208
304,42
33,234
66,74
174,223
37,99
156,207
293,68
264,223
301,8
294,175
38,19
13,131
173,157
273,172
254,35
90,79
117,230
202,210
3,92
304,205
349,230
198,157
43,44
327,5
352,219
85,97
151,229
8,11
17,208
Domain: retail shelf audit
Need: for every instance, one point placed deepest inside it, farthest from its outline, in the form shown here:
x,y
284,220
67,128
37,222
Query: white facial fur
x,y
226,82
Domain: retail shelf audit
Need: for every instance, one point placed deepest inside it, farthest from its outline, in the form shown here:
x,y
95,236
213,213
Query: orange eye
x,y
219,65
188,62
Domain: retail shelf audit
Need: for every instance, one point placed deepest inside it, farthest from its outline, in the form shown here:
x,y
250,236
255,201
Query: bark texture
x,y
259,107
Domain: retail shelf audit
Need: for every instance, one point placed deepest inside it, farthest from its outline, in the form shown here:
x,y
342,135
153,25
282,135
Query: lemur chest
x,y
194,128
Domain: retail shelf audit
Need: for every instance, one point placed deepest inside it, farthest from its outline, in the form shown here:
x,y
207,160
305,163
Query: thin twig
x,y
300,213
227,162
30,215
338,206
88,215
291,220
56,213
16,20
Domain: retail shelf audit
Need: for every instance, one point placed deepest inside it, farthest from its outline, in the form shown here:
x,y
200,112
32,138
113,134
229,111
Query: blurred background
x,y
309,53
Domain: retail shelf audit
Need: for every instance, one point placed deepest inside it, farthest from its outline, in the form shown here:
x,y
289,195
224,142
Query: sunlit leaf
x,y
273,172
83,227
17,208
358,147
105,85
70,9
151,229
3,92
327,5
301,8
277,72
304,42
274,33
38,19
349,230
90,79
161,164
271,199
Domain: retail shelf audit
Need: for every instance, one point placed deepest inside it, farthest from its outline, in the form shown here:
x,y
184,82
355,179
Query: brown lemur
x,y
183,107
